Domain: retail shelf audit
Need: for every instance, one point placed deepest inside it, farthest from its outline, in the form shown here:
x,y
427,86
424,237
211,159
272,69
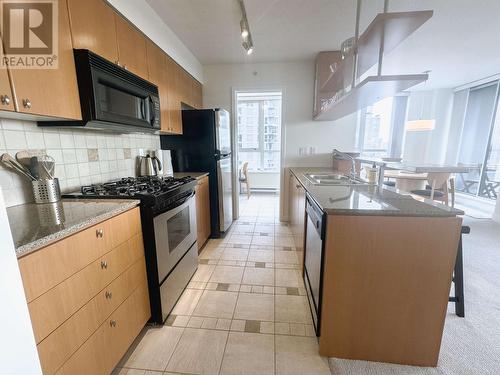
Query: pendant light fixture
x,y
246,37
421,125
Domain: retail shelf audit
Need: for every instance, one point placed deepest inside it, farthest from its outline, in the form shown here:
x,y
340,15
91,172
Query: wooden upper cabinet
x,y
185,87
131,47
51,92
197,94
174,96
93,27
157,74
6,98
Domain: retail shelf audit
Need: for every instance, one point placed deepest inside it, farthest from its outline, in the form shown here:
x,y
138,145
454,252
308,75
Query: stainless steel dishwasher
x,y
313,263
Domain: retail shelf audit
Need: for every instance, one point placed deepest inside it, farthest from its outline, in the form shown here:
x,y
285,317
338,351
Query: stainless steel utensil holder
x,y
46,191
51,214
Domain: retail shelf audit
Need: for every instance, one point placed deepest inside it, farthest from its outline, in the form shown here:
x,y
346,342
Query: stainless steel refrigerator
x,y
205,146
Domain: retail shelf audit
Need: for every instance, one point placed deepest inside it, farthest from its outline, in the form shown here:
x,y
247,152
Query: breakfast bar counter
x,y
378,267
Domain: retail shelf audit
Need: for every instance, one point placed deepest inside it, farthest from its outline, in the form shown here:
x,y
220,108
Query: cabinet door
x,y
174,97
6,98
301,212
157,73
203,211
197,95
206,209
93,27
131,47
51,92
292,192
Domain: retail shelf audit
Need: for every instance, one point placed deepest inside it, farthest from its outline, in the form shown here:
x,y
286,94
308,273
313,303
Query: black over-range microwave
x,y
112,98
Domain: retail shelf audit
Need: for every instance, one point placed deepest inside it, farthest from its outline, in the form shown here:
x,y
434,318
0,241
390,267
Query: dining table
x,y
412,176
407,181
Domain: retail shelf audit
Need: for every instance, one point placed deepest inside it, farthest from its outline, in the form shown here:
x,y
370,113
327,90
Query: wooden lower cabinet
x,y
203,211
296,213
84,321
386,282
100,354
65,341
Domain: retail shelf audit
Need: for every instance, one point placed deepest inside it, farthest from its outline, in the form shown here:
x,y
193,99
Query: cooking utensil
x,y
34,167
13,164
48,164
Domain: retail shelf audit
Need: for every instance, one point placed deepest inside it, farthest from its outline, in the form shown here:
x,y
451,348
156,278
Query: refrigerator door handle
x,y
225,193
220,194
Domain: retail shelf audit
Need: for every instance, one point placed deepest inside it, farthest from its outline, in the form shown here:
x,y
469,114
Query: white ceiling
x,y
459,44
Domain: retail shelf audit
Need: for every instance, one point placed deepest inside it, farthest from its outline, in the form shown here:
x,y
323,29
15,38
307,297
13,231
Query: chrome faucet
x,y
344,156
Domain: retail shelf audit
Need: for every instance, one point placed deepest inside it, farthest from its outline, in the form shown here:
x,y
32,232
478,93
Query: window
x,y
374,134
381,127
259,130
479,148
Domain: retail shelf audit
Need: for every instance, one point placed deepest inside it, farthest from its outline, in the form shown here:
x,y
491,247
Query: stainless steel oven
x,y
313,259
176,251
175,233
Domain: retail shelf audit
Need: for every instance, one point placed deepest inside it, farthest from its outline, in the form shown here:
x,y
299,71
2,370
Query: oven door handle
x,y
180,202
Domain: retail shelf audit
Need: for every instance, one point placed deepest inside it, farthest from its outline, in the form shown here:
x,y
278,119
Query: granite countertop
x,y
364,199
36,225
196,175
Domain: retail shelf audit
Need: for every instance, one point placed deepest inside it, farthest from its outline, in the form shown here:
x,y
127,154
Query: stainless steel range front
x,y
176,251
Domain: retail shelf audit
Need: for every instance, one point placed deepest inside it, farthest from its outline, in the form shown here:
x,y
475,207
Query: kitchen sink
x,y
332,179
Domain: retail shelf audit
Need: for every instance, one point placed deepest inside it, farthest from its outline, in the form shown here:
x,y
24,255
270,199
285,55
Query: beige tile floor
x,y
244,311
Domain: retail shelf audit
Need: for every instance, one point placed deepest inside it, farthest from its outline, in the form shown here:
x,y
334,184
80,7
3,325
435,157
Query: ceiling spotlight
x,y
248,45
244,29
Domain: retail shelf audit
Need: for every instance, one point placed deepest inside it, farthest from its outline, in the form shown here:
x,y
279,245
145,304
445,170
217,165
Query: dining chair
x,y
243,178
440,187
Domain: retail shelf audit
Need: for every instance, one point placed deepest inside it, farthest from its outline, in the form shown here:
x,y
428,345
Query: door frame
x,y
234,143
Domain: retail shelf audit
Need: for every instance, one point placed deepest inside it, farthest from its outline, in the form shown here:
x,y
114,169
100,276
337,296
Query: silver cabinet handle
x,y
26,103
99,233
124,66
109,295
112,323
104,264
5,99
117,62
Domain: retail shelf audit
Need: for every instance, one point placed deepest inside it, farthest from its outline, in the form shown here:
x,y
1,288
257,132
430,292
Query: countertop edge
x,y
31,247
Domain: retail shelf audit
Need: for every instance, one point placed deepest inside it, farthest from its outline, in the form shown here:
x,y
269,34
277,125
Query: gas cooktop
x,y
150,190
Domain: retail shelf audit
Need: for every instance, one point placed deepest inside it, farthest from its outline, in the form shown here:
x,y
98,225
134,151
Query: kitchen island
x,y
378,268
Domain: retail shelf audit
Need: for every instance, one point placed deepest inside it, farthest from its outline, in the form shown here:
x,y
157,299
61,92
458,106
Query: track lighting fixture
x,y
245,30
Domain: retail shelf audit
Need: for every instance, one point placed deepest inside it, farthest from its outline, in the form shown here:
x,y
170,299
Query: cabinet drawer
x,y
55,349
45,268
102,351
58,304
123,227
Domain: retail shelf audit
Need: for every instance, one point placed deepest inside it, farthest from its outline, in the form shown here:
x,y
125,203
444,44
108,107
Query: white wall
x,y
18,353
429,146
147,20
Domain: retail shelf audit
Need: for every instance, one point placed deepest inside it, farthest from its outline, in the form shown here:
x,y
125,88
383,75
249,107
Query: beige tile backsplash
x,y
82,156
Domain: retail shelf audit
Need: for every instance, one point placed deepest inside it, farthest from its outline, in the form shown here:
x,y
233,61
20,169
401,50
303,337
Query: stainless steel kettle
x,y
149,165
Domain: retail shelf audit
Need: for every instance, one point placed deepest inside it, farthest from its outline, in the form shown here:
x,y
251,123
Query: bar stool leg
x,y
458,275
